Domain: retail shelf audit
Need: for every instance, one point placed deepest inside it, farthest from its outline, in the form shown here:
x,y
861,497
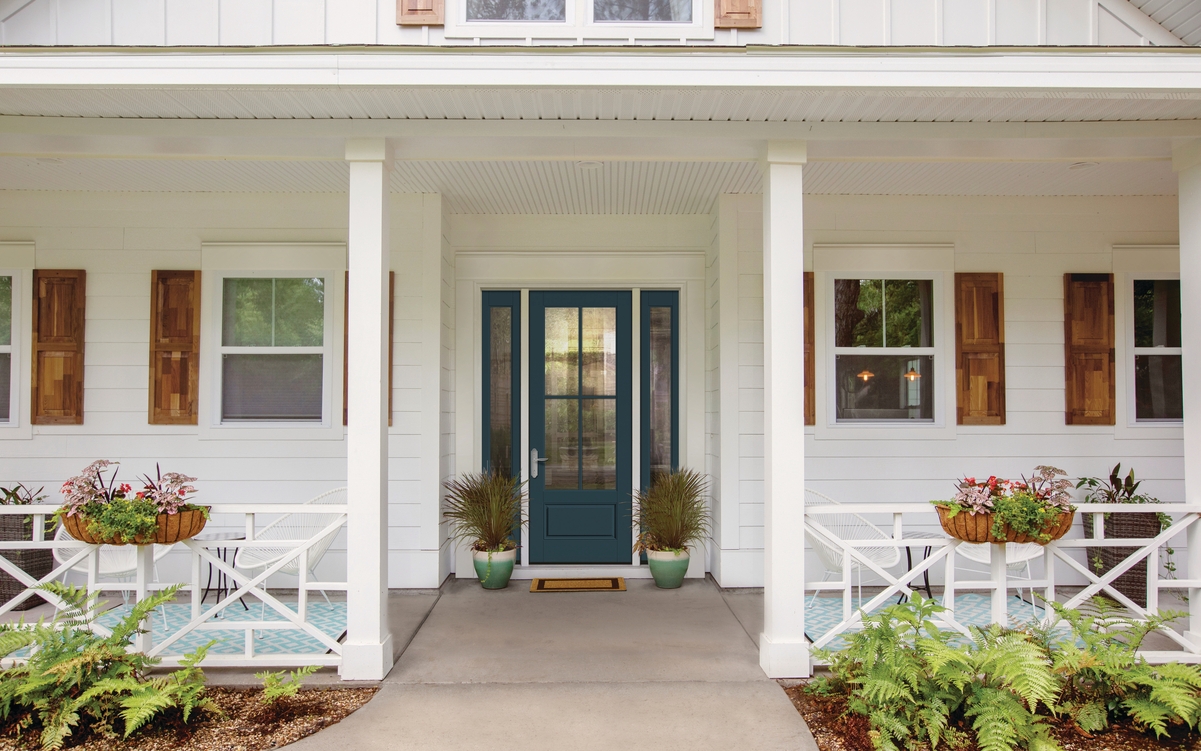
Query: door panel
x,y
580,423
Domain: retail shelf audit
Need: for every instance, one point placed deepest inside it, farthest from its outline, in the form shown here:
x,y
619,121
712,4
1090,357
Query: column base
x,y
1194,640
787,659
366,662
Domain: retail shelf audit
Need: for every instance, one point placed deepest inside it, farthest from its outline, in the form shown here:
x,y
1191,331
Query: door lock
x,y
535,461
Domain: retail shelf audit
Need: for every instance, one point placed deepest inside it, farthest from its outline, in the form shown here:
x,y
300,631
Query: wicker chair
x,y
293,527
848,526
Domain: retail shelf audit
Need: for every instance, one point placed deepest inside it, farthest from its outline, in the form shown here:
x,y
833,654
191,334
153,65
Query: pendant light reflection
x,y
865,375
913,375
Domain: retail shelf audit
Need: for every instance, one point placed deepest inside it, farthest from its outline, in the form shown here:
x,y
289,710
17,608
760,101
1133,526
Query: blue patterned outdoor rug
x,y
329,618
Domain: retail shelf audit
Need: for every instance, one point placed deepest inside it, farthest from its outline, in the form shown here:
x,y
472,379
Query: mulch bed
x,y
246,725
835,732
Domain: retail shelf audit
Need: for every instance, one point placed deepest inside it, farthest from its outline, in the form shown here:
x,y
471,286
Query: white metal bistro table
x,y
223,552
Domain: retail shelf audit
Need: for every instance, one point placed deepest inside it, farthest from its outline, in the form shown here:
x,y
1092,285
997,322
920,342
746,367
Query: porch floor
x,y
600,670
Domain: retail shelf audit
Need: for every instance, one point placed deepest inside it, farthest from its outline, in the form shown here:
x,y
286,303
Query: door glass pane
x,y
562,351
600,444
1158,387
299,312
677,11
562,444
6,310
5,385
271,387
500,395
1157,313
907,313
516,10
600,351
884,387
858,313
660,427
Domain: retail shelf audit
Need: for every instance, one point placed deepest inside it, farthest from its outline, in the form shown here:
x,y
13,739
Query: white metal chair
x,y
293,527
848,526
116,561
1018,556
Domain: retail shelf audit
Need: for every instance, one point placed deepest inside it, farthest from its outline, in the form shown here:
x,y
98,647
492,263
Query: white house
x,y
577,236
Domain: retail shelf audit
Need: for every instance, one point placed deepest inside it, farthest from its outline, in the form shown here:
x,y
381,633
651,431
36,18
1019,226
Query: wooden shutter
x,y
810,354
58,306
1088,324
346,346
420,12
737,14
174,347
980,348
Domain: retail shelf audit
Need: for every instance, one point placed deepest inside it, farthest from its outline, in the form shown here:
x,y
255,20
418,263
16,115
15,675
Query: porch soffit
x,y
609,187
1180,17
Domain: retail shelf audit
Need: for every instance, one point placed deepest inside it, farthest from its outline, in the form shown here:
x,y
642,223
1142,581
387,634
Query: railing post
x,y
145,572
1049,575
1193,541
1000,592
948,579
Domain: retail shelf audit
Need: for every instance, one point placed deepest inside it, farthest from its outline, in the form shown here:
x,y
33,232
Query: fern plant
x,y
76,679
283,685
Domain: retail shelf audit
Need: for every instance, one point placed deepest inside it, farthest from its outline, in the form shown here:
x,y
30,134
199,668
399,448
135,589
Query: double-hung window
x,y
274,349
580,19
6,349
884,350
1158,378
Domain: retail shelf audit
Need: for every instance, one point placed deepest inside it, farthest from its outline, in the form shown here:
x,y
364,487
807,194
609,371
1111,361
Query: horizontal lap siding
x,y
119,239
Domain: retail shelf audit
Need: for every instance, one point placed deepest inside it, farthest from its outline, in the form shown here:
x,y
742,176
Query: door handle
x,y
535,461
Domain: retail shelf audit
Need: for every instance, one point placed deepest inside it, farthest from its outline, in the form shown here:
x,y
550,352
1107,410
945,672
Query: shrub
x,y
484,510
283,685
672,513
75,678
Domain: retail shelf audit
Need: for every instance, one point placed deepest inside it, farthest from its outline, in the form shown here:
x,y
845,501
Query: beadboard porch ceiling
x,y
593,187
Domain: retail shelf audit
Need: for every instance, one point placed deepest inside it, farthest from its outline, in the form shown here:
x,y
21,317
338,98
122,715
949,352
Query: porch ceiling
x,y
610,187
742,104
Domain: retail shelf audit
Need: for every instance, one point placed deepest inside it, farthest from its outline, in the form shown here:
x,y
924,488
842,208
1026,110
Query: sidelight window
x,y
1158,377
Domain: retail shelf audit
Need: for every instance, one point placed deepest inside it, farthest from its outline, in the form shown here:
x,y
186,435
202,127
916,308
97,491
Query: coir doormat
x,y
606,584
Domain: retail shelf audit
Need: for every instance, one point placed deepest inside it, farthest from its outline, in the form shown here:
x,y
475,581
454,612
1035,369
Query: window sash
x,y
579,23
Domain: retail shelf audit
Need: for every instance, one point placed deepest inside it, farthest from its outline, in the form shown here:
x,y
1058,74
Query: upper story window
x,y
273,349
883,349
677,20
602,11
6,348
1158,378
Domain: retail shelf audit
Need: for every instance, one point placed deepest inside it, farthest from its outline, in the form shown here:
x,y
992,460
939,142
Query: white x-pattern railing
x,y
1057,554
244,584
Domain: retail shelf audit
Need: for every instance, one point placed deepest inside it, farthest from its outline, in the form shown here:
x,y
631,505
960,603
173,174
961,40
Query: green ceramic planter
x,y
668,568
494,574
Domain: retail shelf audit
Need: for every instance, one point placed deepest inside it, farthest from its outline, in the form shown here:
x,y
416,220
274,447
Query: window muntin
x,y
6,347
884,350
273,349
1158,373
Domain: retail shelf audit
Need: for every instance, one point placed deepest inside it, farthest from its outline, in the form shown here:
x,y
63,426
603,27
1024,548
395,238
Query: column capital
x,y
368,150
1186,156
787,152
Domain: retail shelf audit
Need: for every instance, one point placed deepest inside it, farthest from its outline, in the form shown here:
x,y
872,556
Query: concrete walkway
x,y
645,668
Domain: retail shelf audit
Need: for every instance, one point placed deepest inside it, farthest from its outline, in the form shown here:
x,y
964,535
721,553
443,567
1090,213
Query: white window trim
x,y
1133,263
578,25
272,261
934,262
17,261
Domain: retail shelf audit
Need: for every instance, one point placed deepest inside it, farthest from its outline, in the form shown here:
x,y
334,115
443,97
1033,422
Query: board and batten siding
x,y
1033,242
119,239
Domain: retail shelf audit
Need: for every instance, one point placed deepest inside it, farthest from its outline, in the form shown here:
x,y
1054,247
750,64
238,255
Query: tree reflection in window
x,y
671,11
516,10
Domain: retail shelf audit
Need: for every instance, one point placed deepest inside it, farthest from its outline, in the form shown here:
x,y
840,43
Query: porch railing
x,y
267,632
1066,577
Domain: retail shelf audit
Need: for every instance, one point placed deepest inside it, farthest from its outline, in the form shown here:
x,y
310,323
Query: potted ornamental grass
x,y
1141,525
486,509
100,511
672,517
19,528
1036,509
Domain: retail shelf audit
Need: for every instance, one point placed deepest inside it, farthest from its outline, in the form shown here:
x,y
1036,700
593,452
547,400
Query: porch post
x,y
783,651
367,652
1187,162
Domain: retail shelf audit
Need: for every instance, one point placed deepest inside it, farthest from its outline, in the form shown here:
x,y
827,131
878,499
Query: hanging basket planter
x,y
970,527
172,528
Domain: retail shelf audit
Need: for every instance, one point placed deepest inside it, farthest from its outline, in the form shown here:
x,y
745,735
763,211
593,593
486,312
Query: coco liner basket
x,y
970,527
171,529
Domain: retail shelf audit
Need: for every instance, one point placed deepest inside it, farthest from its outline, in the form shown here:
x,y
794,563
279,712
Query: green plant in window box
x,y
99,511
672,516
484,510
1036,509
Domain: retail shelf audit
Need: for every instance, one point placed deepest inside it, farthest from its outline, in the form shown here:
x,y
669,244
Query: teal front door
x,y
580,427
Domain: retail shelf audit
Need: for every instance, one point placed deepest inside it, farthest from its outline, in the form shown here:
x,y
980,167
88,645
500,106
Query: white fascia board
x,y
1145,69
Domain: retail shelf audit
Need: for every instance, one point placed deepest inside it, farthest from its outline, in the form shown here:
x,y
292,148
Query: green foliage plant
x,y
485,509
115,512
21,495
672,514
1027,506
1118,489
77,679
283,684
917,687
123,520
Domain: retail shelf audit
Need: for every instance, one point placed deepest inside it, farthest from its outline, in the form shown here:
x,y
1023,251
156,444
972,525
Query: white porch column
x,y
783,652
367,652
1187,162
